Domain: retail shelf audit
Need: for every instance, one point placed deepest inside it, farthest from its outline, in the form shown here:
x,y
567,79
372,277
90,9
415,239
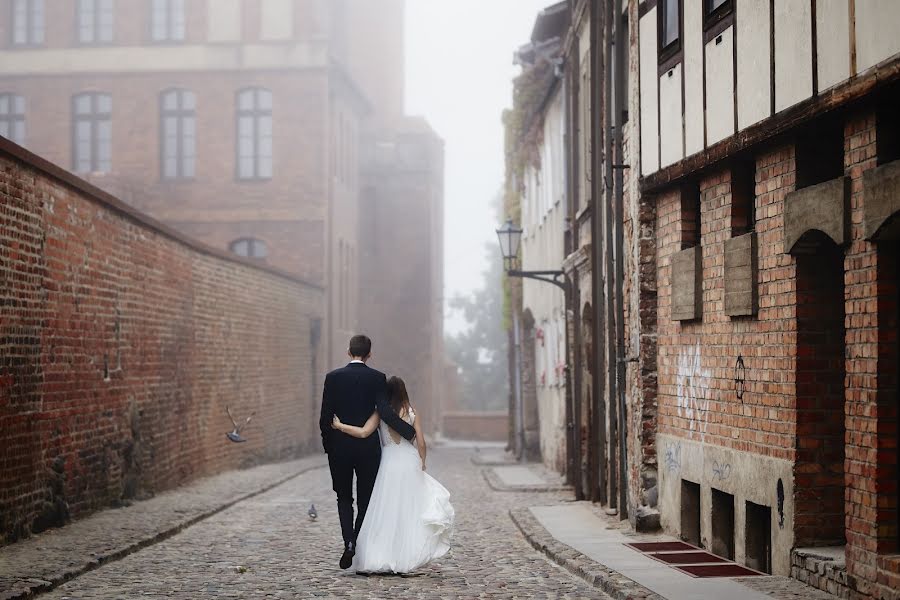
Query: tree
x,y
480,351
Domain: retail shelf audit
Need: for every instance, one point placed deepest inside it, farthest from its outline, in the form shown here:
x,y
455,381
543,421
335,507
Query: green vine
x,y
523,135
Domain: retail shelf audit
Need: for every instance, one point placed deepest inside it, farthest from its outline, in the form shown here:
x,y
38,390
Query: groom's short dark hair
x,y
360,345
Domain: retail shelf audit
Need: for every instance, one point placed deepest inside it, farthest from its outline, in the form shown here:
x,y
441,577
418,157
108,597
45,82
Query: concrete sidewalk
x,y
43,562
581,538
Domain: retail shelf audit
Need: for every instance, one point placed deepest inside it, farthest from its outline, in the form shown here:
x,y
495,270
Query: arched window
x,y
12,118
254,124
92,132
178,131
249,248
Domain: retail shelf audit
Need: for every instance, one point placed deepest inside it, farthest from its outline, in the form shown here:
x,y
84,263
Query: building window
x,y
178,133
95,21
718,15
670,49
743,197
167,21
27,22
92,132
691,222
254,123
249,248
12,118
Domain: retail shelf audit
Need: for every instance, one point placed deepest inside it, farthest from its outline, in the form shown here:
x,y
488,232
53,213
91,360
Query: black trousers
x,y
362,460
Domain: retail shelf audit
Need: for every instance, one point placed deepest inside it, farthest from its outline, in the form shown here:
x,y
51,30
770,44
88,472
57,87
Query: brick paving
x,y
266,547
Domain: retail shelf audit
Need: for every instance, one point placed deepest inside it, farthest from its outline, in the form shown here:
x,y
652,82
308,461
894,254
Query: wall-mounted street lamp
x,y
510,239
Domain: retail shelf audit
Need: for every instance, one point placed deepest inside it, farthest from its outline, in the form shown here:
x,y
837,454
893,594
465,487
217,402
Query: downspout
x,y
607,245
517,385
568,298
597,295
616,74
573,149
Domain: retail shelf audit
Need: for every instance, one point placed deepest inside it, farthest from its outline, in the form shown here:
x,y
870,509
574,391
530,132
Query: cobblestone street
x,y
266,547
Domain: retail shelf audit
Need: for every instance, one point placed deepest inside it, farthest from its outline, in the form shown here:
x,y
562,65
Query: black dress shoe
x,y
347,556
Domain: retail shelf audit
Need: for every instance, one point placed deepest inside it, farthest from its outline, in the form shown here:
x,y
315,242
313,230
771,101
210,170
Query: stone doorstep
x,y
498,485
611,582
28,586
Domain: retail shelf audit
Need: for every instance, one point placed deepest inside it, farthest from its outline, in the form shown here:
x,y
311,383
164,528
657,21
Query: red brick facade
x,y
821,360
121,343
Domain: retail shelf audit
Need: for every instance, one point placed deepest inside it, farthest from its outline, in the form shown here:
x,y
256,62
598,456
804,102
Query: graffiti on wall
x,y
692,385
673,457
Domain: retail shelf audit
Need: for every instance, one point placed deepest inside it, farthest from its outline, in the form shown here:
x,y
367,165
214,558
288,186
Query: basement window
x,y
820,153
690,512
722,524
758,534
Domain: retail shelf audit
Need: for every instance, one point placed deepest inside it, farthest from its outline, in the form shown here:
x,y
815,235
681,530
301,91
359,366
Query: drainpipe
x,y
598,424
517,386
616,75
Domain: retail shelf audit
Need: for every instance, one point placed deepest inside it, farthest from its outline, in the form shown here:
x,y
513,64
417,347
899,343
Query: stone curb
x,y
496,484
31,587
482,462
611,582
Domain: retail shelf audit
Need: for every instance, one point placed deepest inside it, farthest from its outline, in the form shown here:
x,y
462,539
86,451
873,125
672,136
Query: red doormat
x,y
730,570
687,558
661,546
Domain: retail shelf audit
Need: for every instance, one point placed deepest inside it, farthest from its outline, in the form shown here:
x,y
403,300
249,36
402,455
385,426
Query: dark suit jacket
x,y
353,393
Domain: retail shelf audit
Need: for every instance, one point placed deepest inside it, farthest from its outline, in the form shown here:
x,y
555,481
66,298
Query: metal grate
x,y
729,570
662,546
687,558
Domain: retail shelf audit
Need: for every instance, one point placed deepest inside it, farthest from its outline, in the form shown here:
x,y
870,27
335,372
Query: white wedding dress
x,y
409,520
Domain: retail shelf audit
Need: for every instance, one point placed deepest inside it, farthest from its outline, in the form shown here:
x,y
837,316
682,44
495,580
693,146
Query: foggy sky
x,y
458,75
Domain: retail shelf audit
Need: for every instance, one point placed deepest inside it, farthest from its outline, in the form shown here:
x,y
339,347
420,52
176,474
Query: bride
x,y
409,519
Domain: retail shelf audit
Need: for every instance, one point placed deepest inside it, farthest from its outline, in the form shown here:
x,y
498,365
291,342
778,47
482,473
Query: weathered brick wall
x,y
821,361
121,343
697,358
871,280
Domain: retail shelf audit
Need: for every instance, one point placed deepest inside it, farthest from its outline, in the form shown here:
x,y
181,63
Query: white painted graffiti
x,y
692,383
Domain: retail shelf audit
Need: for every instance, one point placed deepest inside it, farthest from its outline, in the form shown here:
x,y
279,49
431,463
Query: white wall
x,y
649,107
693,77
720,87
671,128
833,42
793,53
543,219
754,62
877,31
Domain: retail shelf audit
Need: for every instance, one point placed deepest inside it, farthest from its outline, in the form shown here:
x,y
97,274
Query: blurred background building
x,y
274,129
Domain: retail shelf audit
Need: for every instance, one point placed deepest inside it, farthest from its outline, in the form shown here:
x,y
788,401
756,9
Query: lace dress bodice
x,y
391,437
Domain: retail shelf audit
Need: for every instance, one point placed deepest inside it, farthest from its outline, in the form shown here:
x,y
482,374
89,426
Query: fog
x,y
458,73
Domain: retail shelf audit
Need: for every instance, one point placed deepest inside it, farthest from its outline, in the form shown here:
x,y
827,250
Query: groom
x,y
353,393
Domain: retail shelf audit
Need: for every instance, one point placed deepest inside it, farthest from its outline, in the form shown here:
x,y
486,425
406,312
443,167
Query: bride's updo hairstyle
x,y
397,394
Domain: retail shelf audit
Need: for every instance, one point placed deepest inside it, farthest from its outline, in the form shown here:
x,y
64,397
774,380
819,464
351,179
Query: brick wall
x,y
121,342
821,361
